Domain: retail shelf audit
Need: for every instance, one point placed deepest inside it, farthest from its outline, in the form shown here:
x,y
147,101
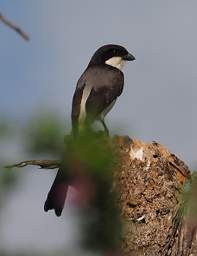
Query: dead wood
x,y
150,182
44,164
14,27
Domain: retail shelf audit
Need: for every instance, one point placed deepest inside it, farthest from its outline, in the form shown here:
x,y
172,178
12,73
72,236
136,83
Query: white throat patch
x,y
116,62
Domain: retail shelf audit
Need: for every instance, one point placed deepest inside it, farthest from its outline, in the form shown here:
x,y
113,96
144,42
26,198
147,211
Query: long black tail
x,y
57,194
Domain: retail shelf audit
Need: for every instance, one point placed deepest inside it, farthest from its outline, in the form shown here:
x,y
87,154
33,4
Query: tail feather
x,y
57,194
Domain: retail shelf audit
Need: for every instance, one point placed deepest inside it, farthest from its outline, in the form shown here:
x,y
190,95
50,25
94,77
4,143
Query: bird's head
x,y
111,54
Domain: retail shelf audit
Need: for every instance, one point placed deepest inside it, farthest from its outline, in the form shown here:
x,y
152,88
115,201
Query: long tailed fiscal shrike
x,y
96,93
99,86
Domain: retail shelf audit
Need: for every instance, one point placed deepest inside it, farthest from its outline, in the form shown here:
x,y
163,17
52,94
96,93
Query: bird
x,y
99,86
96,92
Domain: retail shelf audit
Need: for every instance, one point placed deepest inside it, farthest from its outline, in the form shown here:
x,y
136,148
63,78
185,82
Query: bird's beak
x,y
129,57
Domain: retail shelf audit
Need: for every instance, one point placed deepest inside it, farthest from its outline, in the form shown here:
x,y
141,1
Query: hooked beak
x,y
129,57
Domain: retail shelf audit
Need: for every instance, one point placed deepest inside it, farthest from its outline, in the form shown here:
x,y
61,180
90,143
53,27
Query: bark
x,y
155,199
43,164
150,182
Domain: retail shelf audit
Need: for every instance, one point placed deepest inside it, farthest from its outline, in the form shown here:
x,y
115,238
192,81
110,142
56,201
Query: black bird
x,y
96,92
99,86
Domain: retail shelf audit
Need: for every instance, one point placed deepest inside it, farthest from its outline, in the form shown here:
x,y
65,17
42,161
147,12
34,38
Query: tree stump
x,y
150,183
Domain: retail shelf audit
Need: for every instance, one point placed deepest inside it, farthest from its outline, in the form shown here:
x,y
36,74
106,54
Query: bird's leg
x,y
105,127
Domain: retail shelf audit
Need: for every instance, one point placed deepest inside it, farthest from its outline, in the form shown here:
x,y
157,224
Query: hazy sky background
x,y
159,100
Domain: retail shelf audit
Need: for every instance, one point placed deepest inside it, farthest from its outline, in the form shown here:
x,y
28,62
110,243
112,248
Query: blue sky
x,y
159,100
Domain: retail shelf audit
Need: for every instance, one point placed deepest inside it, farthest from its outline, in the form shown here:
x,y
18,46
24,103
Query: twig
x,y
44,164
14,27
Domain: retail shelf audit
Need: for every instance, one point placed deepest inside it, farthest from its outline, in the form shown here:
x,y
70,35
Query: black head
x,y
107,54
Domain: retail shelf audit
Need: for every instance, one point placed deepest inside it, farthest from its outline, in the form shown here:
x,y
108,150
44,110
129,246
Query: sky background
x,y
159,100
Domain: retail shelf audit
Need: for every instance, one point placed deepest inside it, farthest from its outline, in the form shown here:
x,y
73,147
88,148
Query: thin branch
x,y
44,164
14,27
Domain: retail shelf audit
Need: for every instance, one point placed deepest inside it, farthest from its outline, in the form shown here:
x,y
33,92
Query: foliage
x,y
5,128
44,134
90,157
93,158
8,180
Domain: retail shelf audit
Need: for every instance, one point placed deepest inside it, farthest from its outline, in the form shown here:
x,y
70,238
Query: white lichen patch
x,y
148,166
141,218
136,153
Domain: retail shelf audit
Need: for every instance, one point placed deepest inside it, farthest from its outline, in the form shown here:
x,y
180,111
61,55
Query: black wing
x,y
105,90
76,104
106,85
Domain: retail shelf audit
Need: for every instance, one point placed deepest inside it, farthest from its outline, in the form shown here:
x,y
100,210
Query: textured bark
x,y
150,182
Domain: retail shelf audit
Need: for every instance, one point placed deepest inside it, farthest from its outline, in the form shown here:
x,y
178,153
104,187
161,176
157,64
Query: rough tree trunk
x,y
150,182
